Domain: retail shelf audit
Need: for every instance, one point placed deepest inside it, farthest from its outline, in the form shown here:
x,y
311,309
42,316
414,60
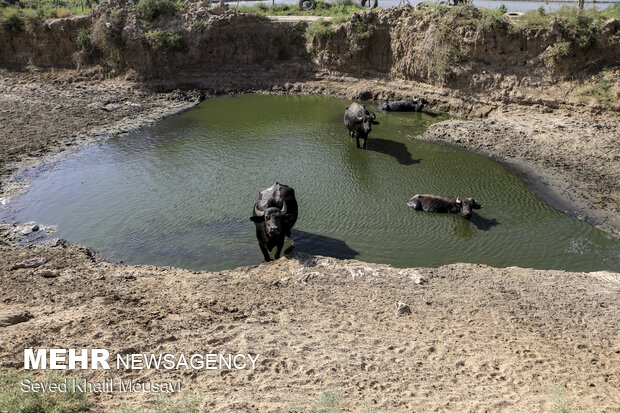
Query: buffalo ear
x,y
374,122
257,219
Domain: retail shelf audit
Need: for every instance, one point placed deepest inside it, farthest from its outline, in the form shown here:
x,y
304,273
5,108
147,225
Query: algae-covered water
x,y
181,193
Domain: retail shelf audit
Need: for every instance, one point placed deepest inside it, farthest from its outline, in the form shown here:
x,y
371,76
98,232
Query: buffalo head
x,y
272,218
466,206
367,121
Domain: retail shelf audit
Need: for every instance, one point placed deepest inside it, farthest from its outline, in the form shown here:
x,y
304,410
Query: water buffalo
x,y
415,105
274,215
434,203
358,121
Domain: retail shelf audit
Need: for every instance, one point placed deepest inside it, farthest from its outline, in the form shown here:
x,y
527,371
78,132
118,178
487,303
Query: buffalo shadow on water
x,y
397,150
315,244
464,228
482,223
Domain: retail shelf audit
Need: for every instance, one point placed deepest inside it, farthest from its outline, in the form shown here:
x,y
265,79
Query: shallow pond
x,y
181,193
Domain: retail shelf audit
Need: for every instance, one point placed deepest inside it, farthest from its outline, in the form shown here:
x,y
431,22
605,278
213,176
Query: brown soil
x,y
477,338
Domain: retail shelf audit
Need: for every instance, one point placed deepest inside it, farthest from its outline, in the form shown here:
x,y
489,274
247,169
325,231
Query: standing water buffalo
x,y
415,105
434,203
274,215
358,121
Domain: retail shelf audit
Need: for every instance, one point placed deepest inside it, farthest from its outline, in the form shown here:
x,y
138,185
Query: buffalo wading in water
x,y
274,215
358,121
446,204
415,105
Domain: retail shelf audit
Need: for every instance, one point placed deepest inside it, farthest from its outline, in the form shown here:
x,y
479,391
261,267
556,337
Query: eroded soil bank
x,y
477,338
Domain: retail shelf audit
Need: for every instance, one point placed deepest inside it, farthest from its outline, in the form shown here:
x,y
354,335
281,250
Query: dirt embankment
x,y
211,47
462,50
215,44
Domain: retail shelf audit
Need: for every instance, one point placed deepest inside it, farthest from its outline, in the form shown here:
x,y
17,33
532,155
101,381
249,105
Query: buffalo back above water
x,y
445,204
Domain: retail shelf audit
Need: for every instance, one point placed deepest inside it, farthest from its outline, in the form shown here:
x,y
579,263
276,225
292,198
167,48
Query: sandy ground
x,y
477,338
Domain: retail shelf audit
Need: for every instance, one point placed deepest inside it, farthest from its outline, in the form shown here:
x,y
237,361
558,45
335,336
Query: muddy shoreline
x,y
549,185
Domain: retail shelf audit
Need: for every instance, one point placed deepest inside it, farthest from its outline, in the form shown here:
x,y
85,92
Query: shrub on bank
x,y
606,92
166,39
83,40
33,12
200,25
151,9
319,28
13,22
32,18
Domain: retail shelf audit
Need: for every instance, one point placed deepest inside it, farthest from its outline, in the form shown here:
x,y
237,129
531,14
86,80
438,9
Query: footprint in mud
x,y
280,367
218,341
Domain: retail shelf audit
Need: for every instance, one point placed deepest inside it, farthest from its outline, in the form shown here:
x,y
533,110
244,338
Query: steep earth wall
x,y
50,44
461,49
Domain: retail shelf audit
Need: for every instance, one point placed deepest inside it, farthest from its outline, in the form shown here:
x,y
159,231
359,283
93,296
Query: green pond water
x,y
181,193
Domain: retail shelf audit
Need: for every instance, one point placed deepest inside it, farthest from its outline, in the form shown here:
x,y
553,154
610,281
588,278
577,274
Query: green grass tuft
x,y
164,39
14,400
33,12
363,30
200,25
149,10
83,40
561,403
13,22
604,92
319,28
346,8
328,402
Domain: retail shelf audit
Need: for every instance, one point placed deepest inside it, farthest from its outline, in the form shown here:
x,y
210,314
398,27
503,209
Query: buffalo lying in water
x,y
447,204
415,105
274,215
358,121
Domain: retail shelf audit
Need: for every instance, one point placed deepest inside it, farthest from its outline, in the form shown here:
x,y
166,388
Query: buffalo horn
x,y
258,212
